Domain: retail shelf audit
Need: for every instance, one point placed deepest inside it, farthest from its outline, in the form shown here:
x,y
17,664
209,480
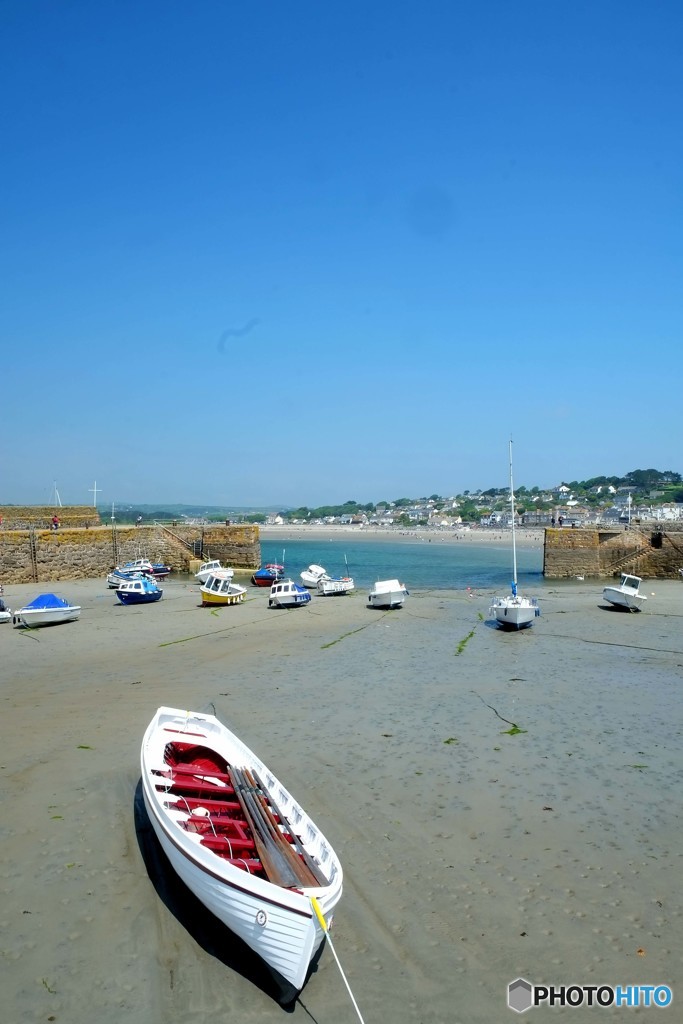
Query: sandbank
x,y
524,537
474,852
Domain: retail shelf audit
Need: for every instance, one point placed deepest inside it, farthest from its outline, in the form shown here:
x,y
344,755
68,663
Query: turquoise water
x,y
422,564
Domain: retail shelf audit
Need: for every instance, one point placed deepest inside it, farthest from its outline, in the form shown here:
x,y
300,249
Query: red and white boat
x,y
268,574
240,841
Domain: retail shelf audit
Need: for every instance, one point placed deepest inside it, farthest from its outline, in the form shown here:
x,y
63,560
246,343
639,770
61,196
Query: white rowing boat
x,y
240,841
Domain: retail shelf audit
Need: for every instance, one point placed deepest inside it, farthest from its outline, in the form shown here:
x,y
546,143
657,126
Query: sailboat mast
x,y
512,511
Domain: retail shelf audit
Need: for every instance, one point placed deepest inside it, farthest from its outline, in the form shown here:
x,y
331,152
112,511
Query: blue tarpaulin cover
x,y
48,601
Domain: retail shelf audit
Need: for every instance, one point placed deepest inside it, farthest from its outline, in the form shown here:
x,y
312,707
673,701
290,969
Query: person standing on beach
x,y
55,523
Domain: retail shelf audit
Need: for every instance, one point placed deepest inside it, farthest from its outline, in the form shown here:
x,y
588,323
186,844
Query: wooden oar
x,y
259,807
276,867
303,872
318,876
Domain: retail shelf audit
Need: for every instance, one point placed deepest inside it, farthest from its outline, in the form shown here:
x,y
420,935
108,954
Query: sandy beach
x,y
503,805
525,537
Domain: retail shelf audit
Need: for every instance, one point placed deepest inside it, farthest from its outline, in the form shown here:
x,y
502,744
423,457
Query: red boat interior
x,y
234,816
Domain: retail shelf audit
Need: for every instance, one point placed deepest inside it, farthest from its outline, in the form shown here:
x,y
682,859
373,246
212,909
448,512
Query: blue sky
x,y
301,253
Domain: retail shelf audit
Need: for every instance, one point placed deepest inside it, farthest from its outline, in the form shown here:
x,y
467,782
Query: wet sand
x,y
472,855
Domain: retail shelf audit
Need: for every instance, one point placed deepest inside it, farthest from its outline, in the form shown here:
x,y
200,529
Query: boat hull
x,y
129,597
287,594
387,594
386,600
311,576
278,923
234,596
289,601
263,578
31,617
220,590
514,613
623,599
332,587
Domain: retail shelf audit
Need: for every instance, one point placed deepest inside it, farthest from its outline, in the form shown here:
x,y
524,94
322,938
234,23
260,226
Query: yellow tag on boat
x,y
318,913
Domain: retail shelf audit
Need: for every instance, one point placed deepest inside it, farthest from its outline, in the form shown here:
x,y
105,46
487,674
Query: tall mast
x,y
512,510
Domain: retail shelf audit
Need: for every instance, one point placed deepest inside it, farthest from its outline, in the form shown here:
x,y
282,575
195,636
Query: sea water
x,y
419,564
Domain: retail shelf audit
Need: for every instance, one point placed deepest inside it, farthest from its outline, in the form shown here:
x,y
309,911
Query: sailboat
x,y
514,611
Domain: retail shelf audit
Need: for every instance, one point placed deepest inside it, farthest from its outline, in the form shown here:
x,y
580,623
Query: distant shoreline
x,y
524,537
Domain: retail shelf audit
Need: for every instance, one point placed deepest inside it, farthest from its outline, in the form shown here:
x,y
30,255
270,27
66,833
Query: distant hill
x,y
197,511
129,512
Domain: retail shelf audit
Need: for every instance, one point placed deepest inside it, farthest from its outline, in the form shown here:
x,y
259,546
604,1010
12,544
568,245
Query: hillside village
x,y
648,496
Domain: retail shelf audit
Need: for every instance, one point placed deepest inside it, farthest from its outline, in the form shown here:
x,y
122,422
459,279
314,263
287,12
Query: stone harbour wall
x,y
45,555
654,552
23,517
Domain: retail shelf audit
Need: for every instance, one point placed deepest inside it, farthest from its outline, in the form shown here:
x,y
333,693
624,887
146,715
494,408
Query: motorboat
x,y
142,591
206,568
288,594
160,570
329,586
46,610
5,612
310,576
118,576
268,574
240,842
514,611
138,565
219,589
387,594
627,594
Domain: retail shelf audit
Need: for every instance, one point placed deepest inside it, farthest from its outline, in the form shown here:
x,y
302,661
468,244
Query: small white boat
x,y
206,568
328,586
310,576
387,594
5,612
626,594
46,610
287,594
514,611
240,841
219,589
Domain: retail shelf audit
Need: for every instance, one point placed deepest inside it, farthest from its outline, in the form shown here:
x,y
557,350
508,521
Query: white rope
x,y
323,924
